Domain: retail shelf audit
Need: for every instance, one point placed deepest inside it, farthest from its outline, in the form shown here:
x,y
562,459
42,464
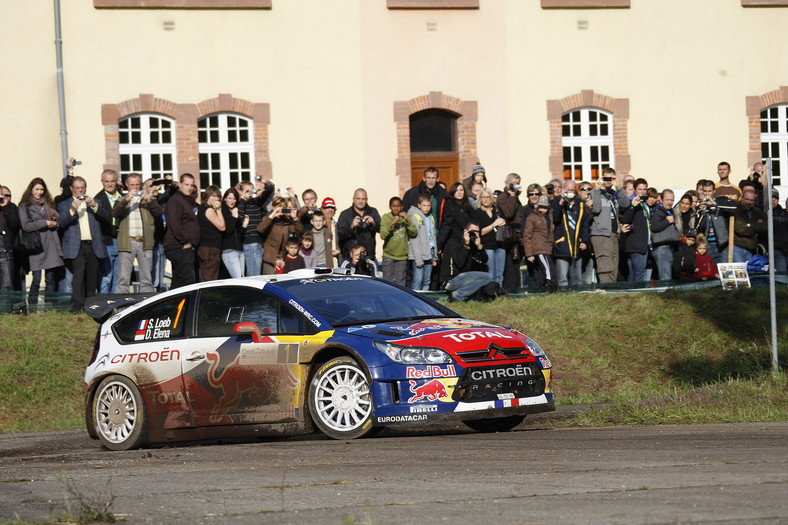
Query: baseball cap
x,y
328,202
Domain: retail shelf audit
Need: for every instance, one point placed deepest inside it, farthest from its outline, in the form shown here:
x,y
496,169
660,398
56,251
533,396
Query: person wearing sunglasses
x,y
9,226
607,202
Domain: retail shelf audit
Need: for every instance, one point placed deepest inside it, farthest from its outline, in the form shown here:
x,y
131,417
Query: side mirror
x,y
248,327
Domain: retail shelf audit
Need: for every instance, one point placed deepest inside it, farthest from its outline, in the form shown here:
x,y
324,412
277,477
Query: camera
x,y
550,189
258,178
515,187
472,236
161,182
756,175
77,163
607,179
285,210
81,197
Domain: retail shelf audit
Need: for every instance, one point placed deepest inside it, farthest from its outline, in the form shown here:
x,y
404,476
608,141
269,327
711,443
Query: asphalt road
x,y
730,473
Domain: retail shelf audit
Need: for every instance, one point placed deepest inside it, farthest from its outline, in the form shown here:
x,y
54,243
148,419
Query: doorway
x,y
433,142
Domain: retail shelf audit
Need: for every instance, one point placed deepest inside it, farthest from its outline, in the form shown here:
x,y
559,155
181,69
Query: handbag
x,y
507,235
720,230
28,242
669,235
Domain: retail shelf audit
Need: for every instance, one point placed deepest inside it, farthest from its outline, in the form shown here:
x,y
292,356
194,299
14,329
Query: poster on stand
x,y
733,275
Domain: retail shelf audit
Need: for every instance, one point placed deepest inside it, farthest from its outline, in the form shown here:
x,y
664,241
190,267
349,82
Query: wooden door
x,y
448,167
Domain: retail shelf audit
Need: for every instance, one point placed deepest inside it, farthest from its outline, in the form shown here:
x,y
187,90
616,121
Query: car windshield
x,y
346,301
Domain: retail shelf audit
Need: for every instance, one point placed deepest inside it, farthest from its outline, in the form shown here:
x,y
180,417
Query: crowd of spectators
x,y
564,233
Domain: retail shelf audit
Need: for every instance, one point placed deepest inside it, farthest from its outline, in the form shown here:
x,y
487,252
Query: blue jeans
x,y
51,280
466,284
637,267
780,262
64,278
253,255
663,259
6,270
421,276
108,269
739,255
234,262
715,253
568,271
159,262
496,259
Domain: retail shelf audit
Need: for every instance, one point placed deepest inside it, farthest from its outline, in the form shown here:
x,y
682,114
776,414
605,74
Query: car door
x,y
233,378
153,340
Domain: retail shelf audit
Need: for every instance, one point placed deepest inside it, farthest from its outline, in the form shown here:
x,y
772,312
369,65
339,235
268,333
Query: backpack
x,y
489,292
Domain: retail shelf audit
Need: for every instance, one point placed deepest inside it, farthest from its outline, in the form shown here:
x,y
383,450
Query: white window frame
x,y
776,141
225,149
147,149
585,142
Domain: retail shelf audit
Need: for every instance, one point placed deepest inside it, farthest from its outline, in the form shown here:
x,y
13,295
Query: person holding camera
x,y
358,262
572,235
134,214
711,223
275,228
360,223
508,202
251,203
605,226
463,269
83,241
637,241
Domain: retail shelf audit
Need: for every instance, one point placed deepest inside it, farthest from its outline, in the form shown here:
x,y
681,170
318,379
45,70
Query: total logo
x,y
431,371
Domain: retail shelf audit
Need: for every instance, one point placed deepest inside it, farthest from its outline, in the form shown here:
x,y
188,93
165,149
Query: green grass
x,y
676,357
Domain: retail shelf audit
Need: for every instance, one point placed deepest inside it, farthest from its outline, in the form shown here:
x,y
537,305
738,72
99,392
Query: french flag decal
x,y
141,328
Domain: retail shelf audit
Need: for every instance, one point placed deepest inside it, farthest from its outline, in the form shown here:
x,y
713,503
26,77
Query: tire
x,y
495,424
340,400
119,414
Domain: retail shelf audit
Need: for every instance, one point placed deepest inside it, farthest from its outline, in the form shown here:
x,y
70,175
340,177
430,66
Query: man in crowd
x,y
329,209
724,188
508,201
252,202
81,216
748,222
637,241
358,262
780,222
306,211
183,233
572,235
9,227
428,186
107,197
134,215
360,223
464,274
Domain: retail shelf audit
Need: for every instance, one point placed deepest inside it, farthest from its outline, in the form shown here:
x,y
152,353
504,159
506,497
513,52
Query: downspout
x,y
61,98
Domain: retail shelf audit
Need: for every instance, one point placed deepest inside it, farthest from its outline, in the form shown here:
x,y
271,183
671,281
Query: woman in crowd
x,y
489,219
275,228
456,213
37,213
232,238
685,216
212,225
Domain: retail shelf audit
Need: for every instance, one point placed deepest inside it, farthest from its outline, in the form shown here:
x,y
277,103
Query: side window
x,y
221,308
160,321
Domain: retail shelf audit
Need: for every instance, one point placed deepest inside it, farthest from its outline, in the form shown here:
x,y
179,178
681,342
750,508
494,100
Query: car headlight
x,y
413,355
533,347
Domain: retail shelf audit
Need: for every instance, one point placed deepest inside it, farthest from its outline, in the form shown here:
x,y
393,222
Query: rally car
x,y
279,355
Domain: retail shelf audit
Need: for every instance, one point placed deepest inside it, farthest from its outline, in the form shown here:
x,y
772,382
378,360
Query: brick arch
x,y
618,107
755,105
467,116
186,117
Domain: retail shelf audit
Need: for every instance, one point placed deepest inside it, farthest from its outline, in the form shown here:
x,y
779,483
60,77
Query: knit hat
x,y
478,168
544,202
775,193
328,202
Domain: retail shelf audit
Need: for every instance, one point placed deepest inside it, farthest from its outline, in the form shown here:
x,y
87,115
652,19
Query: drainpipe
x,y
61,99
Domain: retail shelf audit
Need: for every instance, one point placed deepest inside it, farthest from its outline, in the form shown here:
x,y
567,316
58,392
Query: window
x,y
433,130
587,139
774,139
226,149
146,144
162,320
222,308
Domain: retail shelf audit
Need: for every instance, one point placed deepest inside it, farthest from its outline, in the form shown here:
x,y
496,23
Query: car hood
x,y
455,335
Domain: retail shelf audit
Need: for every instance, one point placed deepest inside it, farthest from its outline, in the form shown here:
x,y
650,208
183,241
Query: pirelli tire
x,y
495,424
340,400
119,416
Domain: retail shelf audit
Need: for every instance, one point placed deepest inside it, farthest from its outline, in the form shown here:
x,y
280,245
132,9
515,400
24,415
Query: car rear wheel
x,y
119,414
340,400
495,424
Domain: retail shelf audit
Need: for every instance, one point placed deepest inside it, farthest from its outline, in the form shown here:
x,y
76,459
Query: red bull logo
x,y
430,391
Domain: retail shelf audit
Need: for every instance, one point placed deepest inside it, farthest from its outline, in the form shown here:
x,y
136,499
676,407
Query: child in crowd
x,y
307,251
684,258
279,264
292,259
538,239
421,248
322,241
395,230
706,269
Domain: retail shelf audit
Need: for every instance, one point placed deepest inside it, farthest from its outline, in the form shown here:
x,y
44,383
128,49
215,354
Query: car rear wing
x,y
102,307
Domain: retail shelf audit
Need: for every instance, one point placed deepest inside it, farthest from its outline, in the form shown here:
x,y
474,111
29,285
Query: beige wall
x,y
331,72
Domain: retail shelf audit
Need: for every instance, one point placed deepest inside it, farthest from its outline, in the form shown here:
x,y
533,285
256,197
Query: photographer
x,y
359,224
462,270
508,202
756,179
572,235
275,228
605,226
358,262
711,222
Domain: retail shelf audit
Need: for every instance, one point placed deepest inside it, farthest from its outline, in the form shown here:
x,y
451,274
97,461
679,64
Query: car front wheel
x,y
119,414
340,400
495,424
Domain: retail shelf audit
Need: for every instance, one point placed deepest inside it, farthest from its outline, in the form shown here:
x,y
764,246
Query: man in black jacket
x,y
359,224
428,186
462,269
9,226
108,271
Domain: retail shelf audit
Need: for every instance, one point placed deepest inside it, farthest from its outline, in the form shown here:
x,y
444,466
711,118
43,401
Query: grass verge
x,y
676,357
